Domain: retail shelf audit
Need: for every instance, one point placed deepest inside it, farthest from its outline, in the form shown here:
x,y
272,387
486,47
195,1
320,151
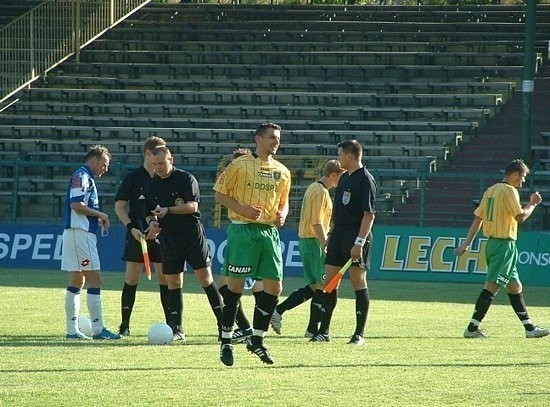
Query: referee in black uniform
x,y
172,202
130,209
350,237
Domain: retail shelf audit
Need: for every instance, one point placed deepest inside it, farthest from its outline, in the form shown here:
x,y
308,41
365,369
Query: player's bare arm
x,y
474,229
82,209
528,209
366,225
248,211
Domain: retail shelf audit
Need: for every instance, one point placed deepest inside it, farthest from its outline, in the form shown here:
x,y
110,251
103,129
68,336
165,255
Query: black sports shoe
x,y
357,340
320,338
124,330
242,334
226,354
179,336
260,351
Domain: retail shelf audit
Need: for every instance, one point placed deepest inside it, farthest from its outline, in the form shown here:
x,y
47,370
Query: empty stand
x,y
413,84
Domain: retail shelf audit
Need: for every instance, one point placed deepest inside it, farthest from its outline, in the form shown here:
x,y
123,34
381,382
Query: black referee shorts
x,y
341,240
187,246
132,250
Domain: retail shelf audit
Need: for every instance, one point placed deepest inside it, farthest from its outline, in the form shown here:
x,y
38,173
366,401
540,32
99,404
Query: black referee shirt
x,y
354,195
179,188
132,189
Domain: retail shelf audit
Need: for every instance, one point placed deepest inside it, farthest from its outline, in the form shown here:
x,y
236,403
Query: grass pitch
x,y
415,354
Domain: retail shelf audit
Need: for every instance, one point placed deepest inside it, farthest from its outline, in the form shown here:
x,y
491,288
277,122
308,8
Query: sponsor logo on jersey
x,y
263,187
264,174
239,269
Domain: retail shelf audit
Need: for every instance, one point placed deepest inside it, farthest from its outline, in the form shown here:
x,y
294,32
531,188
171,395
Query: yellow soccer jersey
x,y
252,181
316,210
498,208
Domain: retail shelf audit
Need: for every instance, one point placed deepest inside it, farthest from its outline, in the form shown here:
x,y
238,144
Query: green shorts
x,y
253,250
313,260
501,256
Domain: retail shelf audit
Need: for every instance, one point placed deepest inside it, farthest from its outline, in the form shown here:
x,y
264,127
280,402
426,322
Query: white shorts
x,y
79,251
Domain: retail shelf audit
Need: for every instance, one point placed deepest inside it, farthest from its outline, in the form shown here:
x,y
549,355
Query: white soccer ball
x,y
85,325
160,334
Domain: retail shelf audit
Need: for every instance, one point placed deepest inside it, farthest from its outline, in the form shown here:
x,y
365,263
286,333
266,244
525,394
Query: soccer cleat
x,y
178,336
537,332
477,334
242,334
260,351
124,330
276,322
106,334
320,338
309,335
79,336
226,354
357,340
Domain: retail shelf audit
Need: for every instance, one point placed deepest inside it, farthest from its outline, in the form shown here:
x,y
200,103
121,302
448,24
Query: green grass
x,y
415,355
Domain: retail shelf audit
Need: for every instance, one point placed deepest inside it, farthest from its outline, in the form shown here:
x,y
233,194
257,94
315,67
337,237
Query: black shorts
x,y
341,240
187,246
132,250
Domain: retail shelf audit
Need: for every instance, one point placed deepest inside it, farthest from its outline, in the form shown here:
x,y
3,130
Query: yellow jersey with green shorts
x,y
316,210
253,246
498,209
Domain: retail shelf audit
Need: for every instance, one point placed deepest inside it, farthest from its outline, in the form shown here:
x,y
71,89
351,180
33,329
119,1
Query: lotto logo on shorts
x,y
239,269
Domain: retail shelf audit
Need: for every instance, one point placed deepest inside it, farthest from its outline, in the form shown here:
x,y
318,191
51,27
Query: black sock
x,y
262,314
518,304
296,298
127,301
240,319
329,303
482,306
315,312
257,295
362,302
215,300
175,298
163,289
228,314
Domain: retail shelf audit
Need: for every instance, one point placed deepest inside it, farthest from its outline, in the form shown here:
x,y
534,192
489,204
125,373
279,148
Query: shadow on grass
x,y
451,292
81,369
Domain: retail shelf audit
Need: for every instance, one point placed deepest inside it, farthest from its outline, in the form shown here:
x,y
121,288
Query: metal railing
x,y
48,34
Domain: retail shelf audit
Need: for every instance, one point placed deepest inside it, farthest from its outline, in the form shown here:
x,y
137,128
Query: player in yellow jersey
x,y
313,230
499,213
255,188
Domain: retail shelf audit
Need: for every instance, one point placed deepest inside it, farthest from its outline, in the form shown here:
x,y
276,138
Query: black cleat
x,y
260,351
241,335
226,354
124,330
320,338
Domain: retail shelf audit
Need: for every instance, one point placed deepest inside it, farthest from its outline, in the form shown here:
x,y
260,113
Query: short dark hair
x,y
263,127
518,166
97,151
153,142
351,147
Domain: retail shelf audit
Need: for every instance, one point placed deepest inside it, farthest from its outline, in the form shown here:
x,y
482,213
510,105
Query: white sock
x,y
72,309
96,311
